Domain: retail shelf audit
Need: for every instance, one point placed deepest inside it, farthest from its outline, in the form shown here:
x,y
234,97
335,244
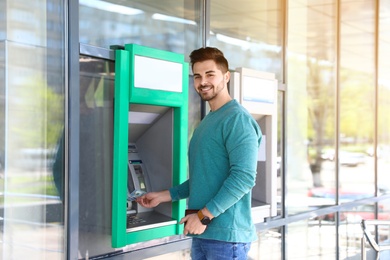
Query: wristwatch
x,y
203,219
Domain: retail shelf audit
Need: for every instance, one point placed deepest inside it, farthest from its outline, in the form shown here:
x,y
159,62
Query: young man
x,y
222,167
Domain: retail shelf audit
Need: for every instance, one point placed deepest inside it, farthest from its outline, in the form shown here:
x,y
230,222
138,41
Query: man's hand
x,y
192,225
153,199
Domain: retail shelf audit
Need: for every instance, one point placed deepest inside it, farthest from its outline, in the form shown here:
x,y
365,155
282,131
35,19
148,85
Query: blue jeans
x,y
206,249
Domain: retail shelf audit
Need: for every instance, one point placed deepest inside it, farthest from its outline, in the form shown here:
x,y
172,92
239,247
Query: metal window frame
x,y
72,127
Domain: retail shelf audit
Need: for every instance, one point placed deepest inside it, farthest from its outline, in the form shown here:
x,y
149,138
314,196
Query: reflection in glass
x,y
383,148
165,25
350,231
268,245
32,109
357,100
383,230
253,41
311,239
311,113
96,131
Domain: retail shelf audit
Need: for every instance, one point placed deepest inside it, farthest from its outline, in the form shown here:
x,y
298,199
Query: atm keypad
x,y
133,220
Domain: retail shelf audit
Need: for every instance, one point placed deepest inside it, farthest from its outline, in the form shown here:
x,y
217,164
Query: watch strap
x,y
203,219
200,215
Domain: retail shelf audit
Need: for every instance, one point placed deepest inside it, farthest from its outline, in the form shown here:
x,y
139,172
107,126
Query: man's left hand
x,y
192,225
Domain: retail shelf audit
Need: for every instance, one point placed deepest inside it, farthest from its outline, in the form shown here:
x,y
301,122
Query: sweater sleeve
x,y
180,191
242,138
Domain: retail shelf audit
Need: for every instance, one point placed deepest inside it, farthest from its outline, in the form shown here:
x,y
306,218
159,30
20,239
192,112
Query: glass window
x,y
268,245
167,25
350,230
311,113
357,100
380,230
3,21
32,109
249,33
254,42
383,149
384,214
311,239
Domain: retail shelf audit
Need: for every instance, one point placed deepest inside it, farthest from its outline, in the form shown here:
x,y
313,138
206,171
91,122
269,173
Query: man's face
x,y
209,80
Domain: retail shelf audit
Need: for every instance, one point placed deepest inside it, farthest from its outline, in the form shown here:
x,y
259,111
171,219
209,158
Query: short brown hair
x,y
209,53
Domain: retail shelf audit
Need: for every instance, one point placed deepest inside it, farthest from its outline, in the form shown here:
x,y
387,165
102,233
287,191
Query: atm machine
x,y
138,217
150,141
257,92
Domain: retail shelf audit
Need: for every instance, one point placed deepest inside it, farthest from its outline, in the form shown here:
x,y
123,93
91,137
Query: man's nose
x,y
203,82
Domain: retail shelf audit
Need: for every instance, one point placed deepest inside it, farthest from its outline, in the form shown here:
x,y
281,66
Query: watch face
x,y
205,221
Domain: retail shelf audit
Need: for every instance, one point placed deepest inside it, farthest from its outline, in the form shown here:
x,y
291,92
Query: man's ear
x,y
227,76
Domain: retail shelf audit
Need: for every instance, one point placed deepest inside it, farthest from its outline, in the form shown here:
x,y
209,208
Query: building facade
x,y
57,67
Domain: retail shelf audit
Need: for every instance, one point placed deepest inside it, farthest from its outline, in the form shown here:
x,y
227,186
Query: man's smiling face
x,y
209,80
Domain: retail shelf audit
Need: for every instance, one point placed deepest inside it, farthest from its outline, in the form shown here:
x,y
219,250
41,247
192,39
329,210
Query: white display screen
x,y
157,74
258,90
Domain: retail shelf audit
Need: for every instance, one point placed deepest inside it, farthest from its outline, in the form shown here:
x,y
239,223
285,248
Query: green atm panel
x,y
154,84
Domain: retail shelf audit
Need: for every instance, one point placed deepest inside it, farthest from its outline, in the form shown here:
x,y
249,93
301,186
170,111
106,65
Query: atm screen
x,y
140,176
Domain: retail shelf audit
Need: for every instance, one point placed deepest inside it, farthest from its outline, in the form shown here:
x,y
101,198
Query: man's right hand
x,y
153,199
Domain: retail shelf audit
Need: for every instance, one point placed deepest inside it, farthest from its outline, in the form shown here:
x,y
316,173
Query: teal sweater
x,y
222,169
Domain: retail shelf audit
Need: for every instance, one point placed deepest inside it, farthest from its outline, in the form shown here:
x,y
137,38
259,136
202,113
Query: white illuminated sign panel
x,y
157,74
258,90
